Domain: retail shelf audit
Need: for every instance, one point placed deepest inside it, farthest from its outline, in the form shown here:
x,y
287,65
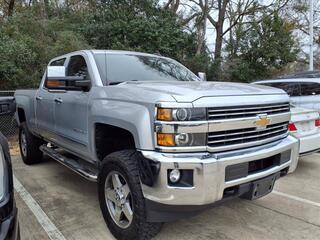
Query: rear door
x,y
71,110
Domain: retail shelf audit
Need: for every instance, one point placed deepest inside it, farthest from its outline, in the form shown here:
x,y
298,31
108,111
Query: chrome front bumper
x,y
209,172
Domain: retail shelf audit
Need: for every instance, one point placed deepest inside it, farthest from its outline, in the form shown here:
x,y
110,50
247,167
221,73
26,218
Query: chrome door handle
x,y
39,98
58,100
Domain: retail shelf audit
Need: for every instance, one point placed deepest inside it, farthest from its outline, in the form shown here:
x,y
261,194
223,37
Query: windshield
x,y
117,68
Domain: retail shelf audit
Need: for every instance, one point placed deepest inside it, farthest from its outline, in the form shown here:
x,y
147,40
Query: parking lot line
x,y
52,231
316,204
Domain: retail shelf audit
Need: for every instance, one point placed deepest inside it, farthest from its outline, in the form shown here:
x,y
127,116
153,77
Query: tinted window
x,y
59,62
77,67
310,88
130,67
291,88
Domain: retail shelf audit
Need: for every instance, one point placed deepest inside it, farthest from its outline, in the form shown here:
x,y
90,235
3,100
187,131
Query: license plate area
x,y
261,187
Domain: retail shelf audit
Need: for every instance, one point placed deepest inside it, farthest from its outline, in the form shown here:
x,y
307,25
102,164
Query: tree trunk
x,y
11,7
202,27
219,28
47,8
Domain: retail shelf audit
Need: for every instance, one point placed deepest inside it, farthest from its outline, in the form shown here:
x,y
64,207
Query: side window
x,y
291,88
59,62
77,67
310,88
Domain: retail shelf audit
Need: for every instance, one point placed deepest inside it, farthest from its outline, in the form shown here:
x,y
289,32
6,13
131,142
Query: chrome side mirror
x,y
57,79
202,76
56,72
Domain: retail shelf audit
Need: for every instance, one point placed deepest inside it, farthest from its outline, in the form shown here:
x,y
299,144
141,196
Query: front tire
x,y
121,199
29,146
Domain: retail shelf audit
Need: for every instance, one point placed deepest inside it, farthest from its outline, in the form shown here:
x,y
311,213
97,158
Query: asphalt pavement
x,y
56,203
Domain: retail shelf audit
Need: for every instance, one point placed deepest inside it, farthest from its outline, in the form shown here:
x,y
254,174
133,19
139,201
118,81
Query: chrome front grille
x,y
224,138
235,127
246,111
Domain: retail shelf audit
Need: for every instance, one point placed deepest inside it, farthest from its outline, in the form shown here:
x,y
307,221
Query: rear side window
x,y
310,88
291,88
59,62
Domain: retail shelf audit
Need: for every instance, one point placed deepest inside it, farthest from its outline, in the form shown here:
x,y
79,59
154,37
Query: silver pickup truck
x,y
161,143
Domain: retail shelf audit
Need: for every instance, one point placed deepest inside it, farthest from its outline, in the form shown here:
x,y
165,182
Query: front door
x,y
71,111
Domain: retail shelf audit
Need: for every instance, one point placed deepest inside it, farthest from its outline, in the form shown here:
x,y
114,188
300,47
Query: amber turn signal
x,y
53,83
165,139
164,114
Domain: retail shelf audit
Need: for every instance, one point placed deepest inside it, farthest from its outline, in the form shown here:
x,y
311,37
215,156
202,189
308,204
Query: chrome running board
x,y
76,165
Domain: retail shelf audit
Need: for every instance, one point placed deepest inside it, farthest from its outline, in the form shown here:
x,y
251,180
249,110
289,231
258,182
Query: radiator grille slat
x,y
246,111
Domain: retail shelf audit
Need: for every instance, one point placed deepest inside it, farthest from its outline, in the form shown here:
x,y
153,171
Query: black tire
x,y
30,152
125,163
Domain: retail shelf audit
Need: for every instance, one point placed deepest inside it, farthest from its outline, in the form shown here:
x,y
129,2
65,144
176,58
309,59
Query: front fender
x,y
133,117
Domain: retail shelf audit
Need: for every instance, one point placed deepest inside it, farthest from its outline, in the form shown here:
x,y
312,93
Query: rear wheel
x,y
29,146
121,199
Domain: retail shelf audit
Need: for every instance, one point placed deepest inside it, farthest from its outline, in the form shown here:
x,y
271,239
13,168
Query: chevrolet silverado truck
x,y
161,144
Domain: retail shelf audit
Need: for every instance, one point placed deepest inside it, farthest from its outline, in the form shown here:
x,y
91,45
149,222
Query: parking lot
x,y
70,204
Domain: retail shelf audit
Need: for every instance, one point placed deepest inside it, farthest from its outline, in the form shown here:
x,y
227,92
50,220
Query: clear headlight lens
x,y
181,139
181,114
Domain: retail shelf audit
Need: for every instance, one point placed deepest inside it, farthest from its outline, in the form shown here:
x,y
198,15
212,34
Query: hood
x,y
191,91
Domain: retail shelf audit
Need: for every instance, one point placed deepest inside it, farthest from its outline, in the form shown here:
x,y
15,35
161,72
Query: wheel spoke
x,y
127,211
116,181
117,214
111,195
125,190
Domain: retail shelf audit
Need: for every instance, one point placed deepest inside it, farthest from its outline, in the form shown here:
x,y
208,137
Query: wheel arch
x,y
110,138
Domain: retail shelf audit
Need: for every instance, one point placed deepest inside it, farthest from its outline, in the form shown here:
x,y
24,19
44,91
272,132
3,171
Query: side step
x,y
76,165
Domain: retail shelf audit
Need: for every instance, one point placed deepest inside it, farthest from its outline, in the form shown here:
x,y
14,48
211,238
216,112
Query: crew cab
x,y
162,144
9,225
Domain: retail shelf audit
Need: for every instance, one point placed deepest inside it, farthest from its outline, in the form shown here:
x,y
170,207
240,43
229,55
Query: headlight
x,y
181,139
181,114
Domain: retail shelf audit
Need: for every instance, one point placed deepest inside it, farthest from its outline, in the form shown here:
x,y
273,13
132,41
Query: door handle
x,y
39,98
58,100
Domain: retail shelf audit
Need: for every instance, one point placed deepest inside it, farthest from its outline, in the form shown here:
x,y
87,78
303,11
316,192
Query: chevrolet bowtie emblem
x,y
263,121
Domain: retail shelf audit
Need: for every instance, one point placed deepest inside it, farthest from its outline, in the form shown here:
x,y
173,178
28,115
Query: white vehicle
x,y
305,125
304,90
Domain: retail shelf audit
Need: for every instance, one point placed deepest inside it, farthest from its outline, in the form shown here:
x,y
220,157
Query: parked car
x,y
161,144
305,125
9,226
303,89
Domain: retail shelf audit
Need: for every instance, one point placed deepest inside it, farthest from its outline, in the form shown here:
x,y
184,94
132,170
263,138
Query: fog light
x,y
174,175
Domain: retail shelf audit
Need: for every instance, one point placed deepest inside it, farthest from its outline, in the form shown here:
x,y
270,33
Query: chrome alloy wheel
x,y
23,143
118,199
